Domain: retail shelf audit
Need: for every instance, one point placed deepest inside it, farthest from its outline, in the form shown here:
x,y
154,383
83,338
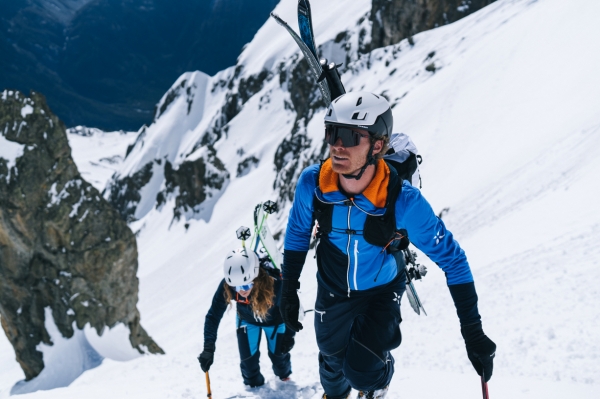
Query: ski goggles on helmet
x,y
349,137
246,287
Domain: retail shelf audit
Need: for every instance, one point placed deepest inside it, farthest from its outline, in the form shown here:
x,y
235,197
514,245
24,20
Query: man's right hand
x,y
206,359
289,306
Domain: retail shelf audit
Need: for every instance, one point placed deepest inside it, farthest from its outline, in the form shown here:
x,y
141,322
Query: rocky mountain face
x,y
394,20
62,246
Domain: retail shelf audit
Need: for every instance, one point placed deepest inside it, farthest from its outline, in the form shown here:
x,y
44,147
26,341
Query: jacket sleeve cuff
x,y
465,300
293,262
209,347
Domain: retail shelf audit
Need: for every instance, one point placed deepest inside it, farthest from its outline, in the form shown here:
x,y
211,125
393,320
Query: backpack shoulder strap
x,y
322,213
394,190
379,230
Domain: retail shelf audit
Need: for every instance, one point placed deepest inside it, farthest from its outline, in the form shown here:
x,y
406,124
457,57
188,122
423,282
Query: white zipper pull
x,y
321,312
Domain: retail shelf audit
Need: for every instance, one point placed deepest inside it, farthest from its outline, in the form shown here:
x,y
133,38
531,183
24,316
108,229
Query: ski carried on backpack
x,y
330,69
262,233
325,73
306,27
414,271
313,62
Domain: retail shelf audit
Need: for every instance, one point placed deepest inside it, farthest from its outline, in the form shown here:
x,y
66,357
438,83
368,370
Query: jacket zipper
x,y
355,263
348,251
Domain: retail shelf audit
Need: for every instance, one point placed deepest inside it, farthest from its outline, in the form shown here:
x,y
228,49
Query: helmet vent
x,y
358,102
330,111
242,267
356,116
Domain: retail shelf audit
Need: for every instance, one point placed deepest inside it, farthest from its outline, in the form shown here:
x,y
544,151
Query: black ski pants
x,y
355,336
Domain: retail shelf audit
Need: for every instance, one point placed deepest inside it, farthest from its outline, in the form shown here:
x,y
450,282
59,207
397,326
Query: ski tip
x,y
278,19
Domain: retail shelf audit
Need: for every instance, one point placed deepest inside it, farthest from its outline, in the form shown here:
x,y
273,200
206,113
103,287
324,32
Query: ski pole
x,y
484,389
209,394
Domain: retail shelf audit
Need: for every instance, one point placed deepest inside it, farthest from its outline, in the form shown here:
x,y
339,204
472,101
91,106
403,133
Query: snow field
x,y
509,131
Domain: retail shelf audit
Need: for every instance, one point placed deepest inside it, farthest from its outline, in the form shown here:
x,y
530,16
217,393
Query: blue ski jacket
x,y
357,265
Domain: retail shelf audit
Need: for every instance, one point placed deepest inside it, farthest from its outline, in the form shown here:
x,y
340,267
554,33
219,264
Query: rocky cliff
x,y
62,246
394,20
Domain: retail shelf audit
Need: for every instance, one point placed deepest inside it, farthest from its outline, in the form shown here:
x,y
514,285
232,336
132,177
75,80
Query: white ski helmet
x,y
363,110
240,267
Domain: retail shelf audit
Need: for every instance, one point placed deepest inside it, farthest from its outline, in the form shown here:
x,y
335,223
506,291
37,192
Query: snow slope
x,y
509,129
98,154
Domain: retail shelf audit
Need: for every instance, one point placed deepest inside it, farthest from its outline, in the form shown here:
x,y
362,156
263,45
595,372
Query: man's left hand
x,y
480,349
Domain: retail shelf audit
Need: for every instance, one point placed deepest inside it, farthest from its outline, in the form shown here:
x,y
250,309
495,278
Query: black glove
x,y
289,305
207,357
480,349
287,343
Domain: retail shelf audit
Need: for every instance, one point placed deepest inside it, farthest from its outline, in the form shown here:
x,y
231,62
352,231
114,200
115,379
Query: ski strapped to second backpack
x,y
262,240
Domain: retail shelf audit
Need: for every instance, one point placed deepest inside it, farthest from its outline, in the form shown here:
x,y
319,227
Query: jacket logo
x,y
438,238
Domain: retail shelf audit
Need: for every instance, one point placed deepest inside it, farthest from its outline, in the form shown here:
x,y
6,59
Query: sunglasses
x,y
349,137
240,288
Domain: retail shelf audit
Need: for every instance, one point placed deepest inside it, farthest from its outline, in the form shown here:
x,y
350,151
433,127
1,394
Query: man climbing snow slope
x,y
360,205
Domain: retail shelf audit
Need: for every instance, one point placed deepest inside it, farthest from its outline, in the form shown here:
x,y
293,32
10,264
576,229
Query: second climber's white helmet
x,y
240,267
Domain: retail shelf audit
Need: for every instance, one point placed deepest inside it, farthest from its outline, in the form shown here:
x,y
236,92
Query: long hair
x,y
261,298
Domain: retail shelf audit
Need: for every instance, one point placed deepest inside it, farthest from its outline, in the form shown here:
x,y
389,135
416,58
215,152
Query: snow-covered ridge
x,y
193,121
98,154
503,107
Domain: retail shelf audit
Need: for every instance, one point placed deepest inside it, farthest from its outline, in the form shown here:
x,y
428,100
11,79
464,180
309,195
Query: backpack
x,y
403,156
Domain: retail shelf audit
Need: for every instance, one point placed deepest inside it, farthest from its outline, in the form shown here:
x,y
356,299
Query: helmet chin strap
x,y
370,161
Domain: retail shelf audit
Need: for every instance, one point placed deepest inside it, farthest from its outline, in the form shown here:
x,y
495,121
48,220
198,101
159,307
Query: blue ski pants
x,y
249,336
355,336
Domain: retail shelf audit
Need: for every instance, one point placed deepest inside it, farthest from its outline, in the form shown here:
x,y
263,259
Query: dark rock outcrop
x,y
62,245
394,20
124,194
305,100
193,182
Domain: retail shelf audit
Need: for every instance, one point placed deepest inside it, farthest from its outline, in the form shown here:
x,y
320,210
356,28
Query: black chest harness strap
x,y
378,230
